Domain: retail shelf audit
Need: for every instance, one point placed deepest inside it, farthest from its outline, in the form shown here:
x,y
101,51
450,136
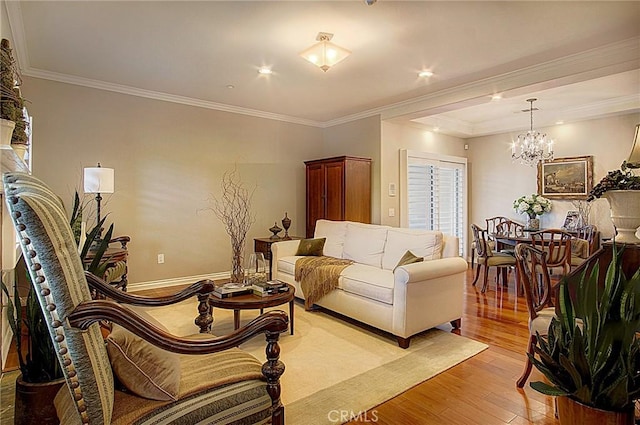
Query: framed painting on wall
x,y
566,178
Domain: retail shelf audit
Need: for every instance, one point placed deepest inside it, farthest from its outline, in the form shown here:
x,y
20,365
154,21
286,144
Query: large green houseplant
x,y
594,360
38,363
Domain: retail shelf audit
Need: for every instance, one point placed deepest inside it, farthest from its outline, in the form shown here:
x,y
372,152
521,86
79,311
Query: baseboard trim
x,y
176,281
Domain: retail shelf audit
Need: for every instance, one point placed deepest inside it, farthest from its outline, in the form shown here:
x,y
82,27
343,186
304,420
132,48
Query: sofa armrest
x,y
431,269
282,249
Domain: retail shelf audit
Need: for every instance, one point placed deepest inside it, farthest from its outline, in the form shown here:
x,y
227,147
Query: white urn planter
x,y
625,213
6,131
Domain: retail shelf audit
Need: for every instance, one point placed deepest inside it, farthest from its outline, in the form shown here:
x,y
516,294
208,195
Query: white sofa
x,y
405,301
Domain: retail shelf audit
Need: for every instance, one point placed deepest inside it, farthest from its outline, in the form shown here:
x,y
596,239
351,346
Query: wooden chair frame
x,y
536,282
557,244
481,240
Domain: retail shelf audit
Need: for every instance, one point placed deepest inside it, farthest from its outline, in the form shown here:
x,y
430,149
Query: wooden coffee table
x,y
245,302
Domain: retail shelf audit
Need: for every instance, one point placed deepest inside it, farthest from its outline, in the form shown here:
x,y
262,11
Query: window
x,y
434,193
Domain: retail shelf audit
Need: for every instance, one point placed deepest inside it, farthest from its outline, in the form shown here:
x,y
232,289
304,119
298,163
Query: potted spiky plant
x,y
593,363
40,373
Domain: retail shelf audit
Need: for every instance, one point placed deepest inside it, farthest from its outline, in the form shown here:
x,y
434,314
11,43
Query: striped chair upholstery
x,y
223,387
56,271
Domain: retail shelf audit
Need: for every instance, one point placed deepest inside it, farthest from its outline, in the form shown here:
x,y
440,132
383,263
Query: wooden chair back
x,y
493,222
557,244
480,240
511,227
534,277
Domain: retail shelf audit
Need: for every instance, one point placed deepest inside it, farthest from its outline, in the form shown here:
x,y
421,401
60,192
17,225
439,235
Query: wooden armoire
x,y
338,188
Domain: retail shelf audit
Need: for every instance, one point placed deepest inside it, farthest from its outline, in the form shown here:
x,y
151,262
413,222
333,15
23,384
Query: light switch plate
x,y
392,189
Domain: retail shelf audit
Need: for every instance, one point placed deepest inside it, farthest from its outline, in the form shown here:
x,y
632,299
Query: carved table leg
x,y
205,316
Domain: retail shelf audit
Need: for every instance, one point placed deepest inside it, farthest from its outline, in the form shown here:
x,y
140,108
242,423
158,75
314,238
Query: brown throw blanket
x,y
318,276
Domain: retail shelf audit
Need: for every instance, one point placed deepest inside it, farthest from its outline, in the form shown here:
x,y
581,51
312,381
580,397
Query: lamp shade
x,y
634,156
98,180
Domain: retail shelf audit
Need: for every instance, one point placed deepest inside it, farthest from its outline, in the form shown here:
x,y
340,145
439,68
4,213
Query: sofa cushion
x,y
423,243
368,281
311,247
364,243
334,232
408,258
288,264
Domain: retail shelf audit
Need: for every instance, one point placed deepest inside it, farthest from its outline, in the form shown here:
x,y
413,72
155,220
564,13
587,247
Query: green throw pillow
x,y
311,247
408,258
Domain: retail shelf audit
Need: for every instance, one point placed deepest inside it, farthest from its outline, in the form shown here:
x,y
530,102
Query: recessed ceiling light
x,y
496,96
264,70
436,129
425,73
230,86
560,122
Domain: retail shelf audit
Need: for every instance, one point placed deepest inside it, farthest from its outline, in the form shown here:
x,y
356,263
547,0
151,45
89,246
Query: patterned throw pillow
x,y
311,247
408,258
143,368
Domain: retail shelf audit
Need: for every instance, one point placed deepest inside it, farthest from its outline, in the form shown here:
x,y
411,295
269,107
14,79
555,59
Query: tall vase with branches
x,y
233,209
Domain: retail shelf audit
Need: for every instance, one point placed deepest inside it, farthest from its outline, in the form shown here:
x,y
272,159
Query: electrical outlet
x,y
392,212
160,258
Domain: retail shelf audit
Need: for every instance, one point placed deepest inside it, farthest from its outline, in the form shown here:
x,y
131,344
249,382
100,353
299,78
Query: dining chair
x,y
491,229
557,244
487,257
582,244
536,282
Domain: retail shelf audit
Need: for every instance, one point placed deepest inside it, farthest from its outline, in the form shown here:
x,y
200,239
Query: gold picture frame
x,y
566,178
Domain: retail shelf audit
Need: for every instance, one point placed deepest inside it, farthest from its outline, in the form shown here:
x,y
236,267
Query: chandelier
x,y
532,147
325,54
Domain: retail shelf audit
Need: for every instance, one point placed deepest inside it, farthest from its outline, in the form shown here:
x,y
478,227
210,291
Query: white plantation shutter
x,y
435,195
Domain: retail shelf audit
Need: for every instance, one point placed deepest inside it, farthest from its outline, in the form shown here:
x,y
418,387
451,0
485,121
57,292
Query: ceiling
x,y
581,59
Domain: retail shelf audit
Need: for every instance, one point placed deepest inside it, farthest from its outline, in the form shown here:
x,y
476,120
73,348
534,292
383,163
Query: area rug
x,y
335,369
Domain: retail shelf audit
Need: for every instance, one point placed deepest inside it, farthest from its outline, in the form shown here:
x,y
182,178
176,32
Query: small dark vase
x,y
275,230
41,395
286,223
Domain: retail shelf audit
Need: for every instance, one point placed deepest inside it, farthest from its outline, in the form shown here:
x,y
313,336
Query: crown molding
x,y
604,60
597,62
165,97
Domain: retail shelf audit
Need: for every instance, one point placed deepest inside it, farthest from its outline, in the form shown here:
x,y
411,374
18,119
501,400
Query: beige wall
x,y
359,138
396,137
168,160
496,182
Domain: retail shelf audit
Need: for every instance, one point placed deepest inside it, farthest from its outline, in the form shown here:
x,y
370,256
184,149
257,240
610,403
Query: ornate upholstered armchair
x,y
222,384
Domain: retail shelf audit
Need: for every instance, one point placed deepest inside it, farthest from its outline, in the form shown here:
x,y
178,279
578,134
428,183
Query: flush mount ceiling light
x,y
265,71
324,54
532,147
424,74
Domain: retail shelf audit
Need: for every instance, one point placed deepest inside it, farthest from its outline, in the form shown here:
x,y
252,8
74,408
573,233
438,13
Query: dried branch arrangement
x,y
584,210
233,208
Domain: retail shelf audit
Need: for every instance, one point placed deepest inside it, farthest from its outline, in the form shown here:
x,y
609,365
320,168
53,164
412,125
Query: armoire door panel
x,y
334,191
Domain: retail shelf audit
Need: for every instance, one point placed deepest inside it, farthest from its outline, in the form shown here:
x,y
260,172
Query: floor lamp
x,y
98,180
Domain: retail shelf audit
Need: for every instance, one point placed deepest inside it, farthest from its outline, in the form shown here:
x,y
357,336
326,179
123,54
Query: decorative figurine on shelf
x,y
275,230
286,223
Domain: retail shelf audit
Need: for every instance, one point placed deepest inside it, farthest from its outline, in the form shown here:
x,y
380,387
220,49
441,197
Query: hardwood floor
x,y
481,390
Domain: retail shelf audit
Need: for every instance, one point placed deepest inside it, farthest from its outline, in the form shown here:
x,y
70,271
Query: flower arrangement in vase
x,y
533,205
